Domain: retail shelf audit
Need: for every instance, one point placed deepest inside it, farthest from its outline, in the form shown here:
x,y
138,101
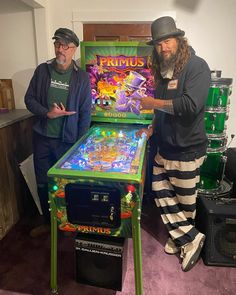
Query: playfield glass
x,y
107,149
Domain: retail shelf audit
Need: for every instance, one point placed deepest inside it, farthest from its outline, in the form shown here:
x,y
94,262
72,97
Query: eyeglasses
x,y
64,46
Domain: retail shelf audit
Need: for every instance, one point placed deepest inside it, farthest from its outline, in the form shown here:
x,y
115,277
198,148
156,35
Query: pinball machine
x,y
96,188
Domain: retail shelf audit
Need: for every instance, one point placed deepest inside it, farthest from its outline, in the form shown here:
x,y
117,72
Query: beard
x,y
60,59
167,63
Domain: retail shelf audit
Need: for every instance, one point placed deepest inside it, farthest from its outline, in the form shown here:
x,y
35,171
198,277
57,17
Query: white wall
x,y
22,46
17,58
209,26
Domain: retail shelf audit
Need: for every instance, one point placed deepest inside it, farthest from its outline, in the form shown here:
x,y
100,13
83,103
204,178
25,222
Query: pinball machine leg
x,y
53,252
137,249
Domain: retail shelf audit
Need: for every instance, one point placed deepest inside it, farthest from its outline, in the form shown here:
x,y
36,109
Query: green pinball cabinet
x,y
96,188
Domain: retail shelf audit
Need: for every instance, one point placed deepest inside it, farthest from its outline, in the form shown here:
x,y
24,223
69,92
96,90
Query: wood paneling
x,y
6,94
15,146
117,32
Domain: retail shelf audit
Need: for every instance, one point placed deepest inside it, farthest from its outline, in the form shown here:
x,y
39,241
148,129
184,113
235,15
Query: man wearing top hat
x,y
59,94
182,82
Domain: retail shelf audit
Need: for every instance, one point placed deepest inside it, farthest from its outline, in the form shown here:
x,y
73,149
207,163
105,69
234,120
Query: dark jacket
x,y
183,135
79,100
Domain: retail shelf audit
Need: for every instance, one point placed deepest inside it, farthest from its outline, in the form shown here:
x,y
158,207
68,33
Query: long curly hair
x,y
182,56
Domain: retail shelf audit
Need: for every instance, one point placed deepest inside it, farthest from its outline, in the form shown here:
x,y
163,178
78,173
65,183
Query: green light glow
x,y
55,188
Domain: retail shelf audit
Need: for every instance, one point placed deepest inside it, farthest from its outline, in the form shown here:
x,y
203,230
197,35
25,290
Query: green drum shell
x,y
217,141
215,120
218,96
212,169
223,191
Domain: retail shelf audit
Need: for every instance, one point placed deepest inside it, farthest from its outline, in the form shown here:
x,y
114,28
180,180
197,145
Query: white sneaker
x,y
191,251
170,247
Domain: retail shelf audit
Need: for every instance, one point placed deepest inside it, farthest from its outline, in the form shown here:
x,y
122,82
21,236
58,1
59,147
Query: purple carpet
x,y
25,266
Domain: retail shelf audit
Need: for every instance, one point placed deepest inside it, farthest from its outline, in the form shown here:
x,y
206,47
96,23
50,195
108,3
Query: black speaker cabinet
x,y
101,261
230,168
216,218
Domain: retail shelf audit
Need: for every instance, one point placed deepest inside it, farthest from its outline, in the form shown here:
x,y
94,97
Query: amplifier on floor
x,y
217,220
230,168
101,261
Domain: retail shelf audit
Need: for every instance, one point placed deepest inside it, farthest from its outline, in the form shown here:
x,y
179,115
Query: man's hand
x,y
58,111
147,131
147,102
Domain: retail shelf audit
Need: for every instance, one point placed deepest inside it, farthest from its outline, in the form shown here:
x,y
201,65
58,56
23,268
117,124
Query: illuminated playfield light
x,y
120,134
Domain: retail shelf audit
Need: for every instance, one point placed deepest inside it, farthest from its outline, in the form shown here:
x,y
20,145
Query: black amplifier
x,y
101,261
217,220
230,168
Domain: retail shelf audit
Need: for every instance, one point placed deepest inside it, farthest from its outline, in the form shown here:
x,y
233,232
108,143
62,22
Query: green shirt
x,y
58,93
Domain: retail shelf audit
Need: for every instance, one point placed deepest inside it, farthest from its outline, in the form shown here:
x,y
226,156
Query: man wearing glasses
x,y
59,94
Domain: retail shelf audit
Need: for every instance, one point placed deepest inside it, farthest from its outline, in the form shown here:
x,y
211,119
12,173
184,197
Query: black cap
x,y
66,35
163,28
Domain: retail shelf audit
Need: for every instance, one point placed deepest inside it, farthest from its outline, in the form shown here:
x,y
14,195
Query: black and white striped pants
x,y
174,185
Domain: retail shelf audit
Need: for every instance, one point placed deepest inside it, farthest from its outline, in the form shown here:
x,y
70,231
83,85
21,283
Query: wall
x,y
23,43
208,25
17,49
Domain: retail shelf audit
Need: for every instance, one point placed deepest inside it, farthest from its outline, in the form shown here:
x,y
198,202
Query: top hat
x,y
163,28
134,80
66,35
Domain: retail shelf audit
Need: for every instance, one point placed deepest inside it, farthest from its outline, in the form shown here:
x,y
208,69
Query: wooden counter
x,y
15,146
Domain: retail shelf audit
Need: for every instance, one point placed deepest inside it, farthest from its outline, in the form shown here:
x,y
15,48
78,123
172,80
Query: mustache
x,y
60,54
166,63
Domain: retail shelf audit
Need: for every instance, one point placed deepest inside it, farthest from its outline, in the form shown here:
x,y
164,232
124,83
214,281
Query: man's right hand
x,y
59,111
147,131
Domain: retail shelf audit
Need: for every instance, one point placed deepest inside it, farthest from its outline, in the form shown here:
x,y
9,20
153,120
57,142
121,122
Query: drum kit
x,y
212,178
